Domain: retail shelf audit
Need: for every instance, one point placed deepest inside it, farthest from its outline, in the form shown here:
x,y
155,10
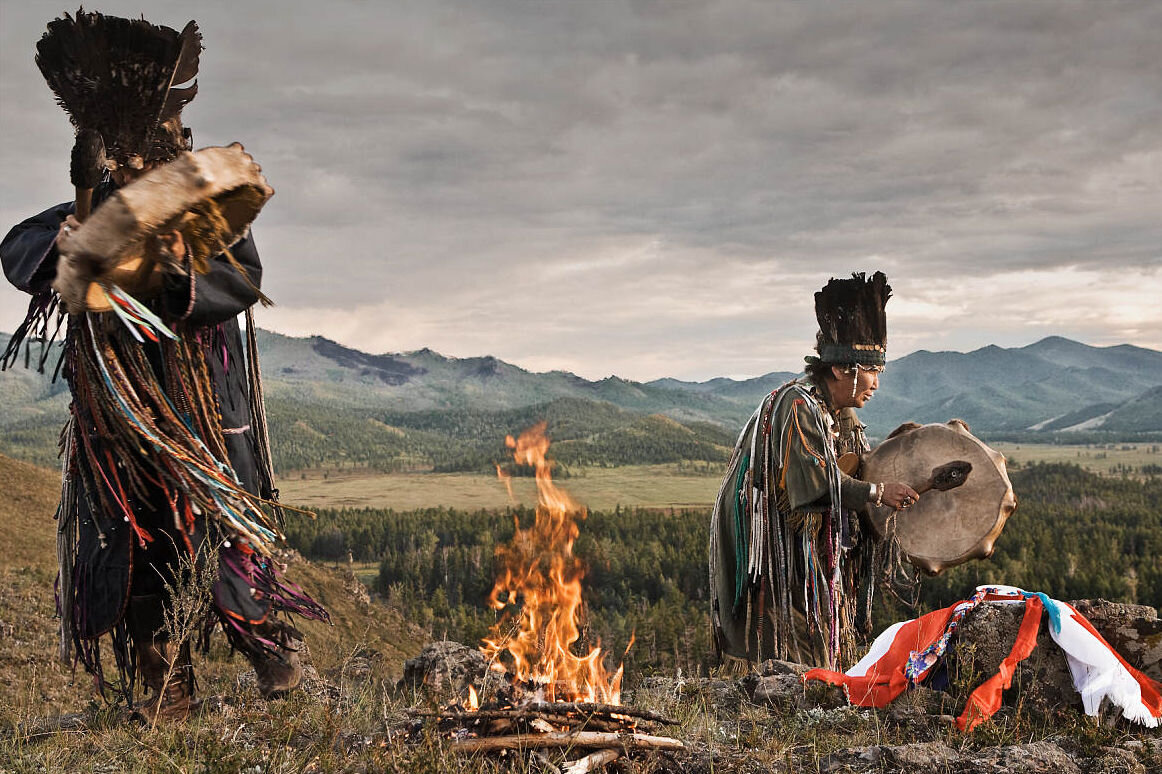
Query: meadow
x,y
673,485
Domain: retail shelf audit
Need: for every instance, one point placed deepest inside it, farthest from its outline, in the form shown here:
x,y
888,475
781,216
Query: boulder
x,y
1042,683
444,670
1134,631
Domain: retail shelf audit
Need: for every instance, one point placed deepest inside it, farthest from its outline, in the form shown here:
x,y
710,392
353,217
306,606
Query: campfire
x,y
542,695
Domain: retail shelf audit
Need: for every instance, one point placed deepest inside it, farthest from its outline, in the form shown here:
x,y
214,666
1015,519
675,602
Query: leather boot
x,y
281,672
172,688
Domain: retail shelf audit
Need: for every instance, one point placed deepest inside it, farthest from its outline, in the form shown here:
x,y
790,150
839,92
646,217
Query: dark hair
x,y
816,370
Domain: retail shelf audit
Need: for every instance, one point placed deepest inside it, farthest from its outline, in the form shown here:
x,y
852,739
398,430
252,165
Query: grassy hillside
x,y
37,684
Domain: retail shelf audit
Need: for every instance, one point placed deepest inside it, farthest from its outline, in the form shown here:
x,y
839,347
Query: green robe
x,y
786,554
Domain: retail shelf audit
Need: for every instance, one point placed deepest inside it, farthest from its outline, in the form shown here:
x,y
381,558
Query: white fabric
x,y
877,651
1097,672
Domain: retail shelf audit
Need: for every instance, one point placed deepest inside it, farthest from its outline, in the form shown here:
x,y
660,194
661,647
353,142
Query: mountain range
x,y
421,409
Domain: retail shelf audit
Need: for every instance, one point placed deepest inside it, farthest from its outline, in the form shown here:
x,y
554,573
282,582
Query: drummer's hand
x,y
70,223
897,495
175,243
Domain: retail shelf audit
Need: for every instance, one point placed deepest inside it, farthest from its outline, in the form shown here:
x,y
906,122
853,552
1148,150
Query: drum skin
x,y
943,529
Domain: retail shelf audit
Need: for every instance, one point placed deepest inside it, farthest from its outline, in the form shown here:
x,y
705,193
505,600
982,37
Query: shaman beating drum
x,y
949,527
210,196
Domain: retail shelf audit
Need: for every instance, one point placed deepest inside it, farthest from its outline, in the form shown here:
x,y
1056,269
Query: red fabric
x,y
885,680
1151,690
986,699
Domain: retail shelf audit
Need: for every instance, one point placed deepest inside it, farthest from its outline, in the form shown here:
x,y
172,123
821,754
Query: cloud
x,y
664,184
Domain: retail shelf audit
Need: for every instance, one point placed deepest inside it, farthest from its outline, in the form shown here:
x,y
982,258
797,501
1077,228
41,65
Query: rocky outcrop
x,y
1133,630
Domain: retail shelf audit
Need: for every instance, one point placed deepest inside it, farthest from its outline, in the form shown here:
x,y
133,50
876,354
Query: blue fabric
x,y
1051,607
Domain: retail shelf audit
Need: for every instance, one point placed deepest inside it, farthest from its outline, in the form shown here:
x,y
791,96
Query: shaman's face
x,y
854,388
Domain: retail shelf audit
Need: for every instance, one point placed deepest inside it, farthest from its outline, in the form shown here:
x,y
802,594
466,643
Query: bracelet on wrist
x,y
879,495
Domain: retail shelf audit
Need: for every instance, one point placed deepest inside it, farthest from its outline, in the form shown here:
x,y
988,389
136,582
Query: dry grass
x,y
650,486
1102,459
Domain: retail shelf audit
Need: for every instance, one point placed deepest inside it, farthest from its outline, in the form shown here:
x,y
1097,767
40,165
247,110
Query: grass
x,y
651,486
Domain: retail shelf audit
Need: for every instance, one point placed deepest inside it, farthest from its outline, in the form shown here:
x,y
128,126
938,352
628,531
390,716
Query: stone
x,y
1115,760
1033,758
1134,631
853,759
774,666
780,690
921,757
444,670
1042,683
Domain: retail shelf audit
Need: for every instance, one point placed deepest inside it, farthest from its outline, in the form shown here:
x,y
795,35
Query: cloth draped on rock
x,y
906,652
790,572
160,456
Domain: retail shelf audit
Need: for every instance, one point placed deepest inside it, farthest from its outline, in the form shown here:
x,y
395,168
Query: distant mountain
x,y
329,404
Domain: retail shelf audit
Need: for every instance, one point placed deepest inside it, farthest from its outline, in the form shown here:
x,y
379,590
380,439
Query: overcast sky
x,y
657,188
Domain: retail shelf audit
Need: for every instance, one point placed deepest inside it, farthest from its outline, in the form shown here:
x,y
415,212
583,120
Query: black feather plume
x,y
853,327
122,78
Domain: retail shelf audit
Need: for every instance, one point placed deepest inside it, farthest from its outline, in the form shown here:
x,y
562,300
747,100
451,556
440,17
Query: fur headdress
x,y
853,328
124,80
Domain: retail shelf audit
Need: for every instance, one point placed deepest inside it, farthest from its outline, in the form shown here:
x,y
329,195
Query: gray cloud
x,y
663,184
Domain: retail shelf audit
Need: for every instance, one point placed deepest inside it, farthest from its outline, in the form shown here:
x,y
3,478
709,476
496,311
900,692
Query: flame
x,y
473,700
540,574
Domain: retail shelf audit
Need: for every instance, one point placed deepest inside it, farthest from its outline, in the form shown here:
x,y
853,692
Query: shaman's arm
x,y
221,293
29,250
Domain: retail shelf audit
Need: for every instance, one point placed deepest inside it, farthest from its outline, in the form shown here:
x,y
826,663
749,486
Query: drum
x,y
965,499
211,196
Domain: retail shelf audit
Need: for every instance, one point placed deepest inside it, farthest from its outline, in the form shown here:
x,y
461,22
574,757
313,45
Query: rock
x,y
774,666
1042,683
922,757
1115,760
1134,631
781,690
853,759
1034,758
355,588
444,670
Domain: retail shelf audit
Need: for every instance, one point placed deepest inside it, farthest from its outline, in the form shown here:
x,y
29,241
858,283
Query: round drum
x,y
944,528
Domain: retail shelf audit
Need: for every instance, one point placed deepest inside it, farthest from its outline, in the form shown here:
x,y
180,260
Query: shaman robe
x,y
121,530
786,551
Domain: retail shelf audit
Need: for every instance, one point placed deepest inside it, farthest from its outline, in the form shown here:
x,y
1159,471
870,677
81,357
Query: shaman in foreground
x,y
791,572
165,461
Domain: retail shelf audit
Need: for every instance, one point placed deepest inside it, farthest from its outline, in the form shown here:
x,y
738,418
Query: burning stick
x,y
556,709
580,739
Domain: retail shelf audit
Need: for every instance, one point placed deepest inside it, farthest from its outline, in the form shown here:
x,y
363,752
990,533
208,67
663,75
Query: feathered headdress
x,y
124,79
852,325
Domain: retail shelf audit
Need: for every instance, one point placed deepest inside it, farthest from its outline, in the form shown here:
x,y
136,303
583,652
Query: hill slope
x,y
36,683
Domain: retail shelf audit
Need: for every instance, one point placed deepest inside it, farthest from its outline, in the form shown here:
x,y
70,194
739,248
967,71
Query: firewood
x,y
591,762
580,739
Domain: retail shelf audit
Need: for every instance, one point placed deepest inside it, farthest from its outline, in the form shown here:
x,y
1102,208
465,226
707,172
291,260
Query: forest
x,y
1075,535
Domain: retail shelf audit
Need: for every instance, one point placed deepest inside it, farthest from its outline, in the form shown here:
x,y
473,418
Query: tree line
x,y
1075,535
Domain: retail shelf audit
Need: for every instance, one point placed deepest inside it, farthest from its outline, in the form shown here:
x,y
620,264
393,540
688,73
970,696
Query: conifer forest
x,y
1074,535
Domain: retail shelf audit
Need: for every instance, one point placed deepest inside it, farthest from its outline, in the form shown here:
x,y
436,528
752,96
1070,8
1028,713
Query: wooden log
x,y
582,739
601,709
591,762
544,709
